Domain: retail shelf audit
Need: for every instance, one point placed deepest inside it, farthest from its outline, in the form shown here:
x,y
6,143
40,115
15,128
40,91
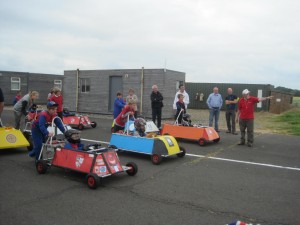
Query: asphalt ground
x,y
216,184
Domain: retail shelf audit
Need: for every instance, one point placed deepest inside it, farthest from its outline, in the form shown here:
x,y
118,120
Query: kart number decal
x,y
102,169
116,168
170,142
11,138
79,161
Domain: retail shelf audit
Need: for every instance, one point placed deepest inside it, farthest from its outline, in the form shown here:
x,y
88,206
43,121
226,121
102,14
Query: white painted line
x,y
245,162
104,142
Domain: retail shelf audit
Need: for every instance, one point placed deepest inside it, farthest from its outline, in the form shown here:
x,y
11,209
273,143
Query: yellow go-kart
x,y
12,138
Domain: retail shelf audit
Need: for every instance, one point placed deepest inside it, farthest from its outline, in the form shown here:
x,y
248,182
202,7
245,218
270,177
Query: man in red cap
x,y
245,116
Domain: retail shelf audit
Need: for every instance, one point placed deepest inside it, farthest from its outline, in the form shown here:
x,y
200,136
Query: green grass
x,y
296,101
288,122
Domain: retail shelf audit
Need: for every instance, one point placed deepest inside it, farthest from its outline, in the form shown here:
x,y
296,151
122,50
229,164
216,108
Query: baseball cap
x,y
245,92
51,104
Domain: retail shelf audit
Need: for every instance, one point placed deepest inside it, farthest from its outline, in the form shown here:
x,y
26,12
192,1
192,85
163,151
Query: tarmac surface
x,y
215,184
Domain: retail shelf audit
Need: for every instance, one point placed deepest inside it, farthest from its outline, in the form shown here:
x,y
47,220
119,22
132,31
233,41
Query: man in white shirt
x,y
186,98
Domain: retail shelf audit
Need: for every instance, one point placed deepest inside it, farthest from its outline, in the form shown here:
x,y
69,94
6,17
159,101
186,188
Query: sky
x,y
217,41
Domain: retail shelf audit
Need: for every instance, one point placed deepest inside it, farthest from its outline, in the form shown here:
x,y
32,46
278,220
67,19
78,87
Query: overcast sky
x,y
224,41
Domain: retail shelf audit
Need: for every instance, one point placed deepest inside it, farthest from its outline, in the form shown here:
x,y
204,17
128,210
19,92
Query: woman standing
x,y
22,106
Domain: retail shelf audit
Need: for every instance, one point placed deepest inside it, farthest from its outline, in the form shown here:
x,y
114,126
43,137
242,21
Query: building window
x,y
15,83
58,83
85,85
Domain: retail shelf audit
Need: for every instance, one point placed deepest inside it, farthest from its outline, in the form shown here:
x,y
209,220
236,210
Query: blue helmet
x,y
51,104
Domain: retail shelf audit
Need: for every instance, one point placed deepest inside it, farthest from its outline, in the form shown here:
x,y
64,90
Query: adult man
x,y
186,98
156,105
214,103
230,102
1,105
245,116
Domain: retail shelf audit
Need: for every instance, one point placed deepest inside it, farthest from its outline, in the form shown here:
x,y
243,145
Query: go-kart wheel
x,y
133,170
216,140
94,124
80,127
92,180
41,166
202,142
182,153
156,159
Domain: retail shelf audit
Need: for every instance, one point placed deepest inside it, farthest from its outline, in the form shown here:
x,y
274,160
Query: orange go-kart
x,y
196,132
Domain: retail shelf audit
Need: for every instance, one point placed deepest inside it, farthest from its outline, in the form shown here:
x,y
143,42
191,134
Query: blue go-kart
x,y
154,145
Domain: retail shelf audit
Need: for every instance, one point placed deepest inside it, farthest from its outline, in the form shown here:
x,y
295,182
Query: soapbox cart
x,y
11,138
97,162
77,120
196,132
156,146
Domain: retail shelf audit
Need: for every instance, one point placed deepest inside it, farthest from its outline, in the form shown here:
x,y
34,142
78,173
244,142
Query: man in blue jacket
x,y
214,103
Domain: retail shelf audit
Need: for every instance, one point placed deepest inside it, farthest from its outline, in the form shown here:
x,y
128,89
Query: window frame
x,y
85,85
14,82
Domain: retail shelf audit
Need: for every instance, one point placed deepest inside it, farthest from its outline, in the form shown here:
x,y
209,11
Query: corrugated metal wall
x,y
207,88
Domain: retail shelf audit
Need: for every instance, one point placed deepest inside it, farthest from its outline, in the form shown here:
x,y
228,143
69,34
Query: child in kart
x,y
186,120
39,128
74,142
73,138
139,125
127,111
180,108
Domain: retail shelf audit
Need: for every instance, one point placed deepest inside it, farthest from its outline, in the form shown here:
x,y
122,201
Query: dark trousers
x,y
249,125
230,119
156,113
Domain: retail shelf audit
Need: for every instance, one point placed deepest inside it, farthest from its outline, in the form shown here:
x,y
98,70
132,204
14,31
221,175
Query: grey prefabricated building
x,y
40,82
199,93
94,91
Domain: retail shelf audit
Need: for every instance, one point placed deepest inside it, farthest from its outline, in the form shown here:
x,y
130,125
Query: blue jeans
x,y
214,114
38,139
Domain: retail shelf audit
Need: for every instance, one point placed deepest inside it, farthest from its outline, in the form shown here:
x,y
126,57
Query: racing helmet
x,y
186,116
73,136
140,124
66,111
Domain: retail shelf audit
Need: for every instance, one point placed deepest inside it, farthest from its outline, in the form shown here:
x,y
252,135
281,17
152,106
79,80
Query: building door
x,y
115,85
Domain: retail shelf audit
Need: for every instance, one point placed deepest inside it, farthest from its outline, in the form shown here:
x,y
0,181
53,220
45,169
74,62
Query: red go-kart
x,y
97,162
76,120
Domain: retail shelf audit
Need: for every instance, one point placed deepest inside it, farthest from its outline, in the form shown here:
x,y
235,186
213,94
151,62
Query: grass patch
x,y
288,122
296,101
